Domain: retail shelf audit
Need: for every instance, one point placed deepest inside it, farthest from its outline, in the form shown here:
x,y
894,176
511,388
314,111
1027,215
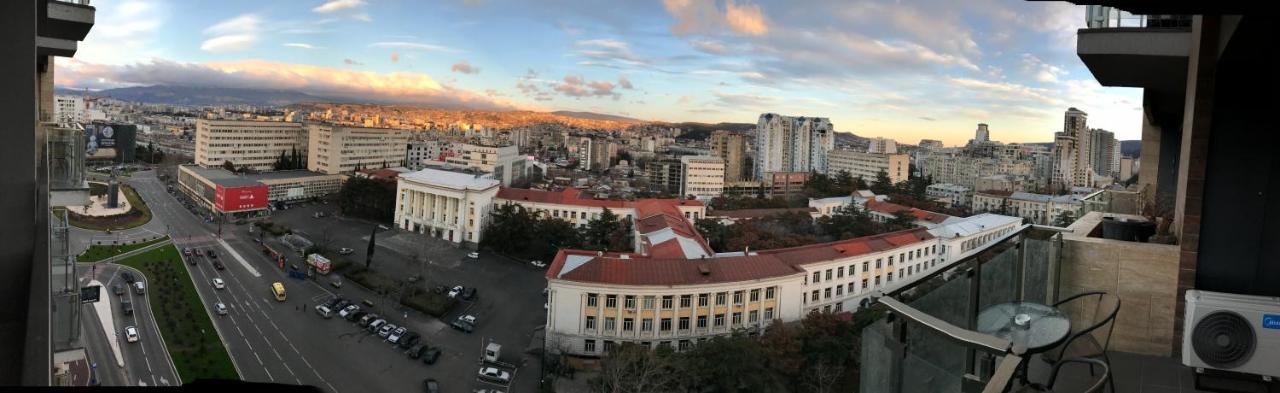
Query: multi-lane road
x,y
147,361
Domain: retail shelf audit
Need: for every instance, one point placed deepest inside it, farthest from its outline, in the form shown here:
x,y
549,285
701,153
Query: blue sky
x,y
901,69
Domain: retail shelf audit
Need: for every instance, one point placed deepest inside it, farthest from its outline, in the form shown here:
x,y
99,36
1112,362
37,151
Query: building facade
x,y
792,144
869,165
732,148
449,205
953,195
882,146
68,109
334,149
702,176
256,145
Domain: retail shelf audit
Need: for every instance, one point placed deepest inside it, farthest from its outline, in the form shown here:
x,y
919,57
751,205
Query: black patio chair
x,y
1090,341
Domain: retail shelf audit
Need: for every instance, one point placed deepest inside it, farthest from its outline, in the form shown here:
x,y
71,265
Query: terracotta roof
x,y
568,196
891,208
759,213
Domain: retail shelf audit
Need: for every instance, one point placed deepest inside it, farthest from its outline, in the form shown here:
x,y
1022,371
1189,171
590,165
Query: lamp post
x,y
93,374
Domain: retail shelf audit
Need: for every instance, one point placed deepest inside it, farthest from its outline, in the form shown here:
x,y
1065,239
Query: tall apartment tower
x,y
1104,146
882,146
1073,152
792,144
732,148
982,135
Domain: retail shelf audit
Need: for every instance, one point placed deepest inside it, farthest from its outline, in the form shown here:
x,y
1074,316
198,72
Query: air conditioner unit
x,y
1237,333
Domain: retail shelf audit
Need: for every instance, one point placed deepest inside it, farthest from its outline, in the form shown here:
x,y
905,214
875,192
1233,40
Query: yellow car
x,y
278,290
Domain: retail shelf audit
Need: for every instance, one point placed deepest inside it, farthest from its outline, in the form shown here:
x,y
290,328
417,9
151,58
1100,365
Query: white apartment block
x,y
792,144
868,165
950,194
253,144
334,149
1038,209
504,162
966,170
570,206
68,109
702,176
449,205
418,153
597,301
882,146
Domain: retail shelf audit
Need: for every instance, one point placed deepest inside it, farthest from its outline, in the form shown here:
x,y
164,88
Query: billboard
x,y
110,141
235,199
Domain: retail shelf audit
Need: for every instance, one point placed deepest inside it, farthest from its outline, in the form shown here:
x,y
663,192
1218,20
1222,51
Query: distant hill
x,y
702,131
596,116
197,96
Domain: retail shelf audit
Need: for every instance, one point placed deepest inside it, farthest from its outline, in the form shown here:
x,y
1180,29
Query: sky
x,y
906,70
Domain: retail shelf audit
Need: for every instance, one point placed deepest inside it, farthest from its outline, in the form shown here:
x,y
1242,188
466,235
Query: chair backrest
x,y
1093,313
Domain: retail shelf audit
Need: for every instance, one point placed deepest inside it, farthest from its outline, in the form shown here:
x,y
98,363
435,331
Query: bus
x,y
278,290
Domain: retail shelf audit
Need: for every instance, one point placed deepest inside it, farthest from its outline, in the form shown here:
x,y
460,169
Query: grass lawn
x,y
97,253
138,215
193,342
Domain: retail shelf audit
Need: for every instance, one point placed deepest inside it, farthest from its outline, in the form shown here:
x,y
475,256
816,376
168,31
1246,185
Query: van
x,y
277,289
139,288
324,311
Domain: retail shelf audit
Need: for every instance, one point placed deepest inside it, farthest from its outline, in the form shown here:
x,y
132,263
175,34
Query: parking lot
x,y
508,303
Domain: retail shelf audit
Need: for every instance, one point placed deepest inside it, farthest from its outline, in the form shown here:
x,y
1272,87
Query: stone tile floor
x,y
1138,374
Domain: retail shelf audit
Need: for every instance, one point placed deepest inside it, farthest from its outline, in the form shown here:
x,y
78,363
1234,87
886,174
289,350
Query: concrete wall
x,y
1144,275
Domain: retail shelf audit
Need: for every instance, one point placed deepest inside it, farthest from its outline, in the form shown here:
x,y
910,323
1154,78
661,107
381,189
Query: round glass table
x,y
1034,326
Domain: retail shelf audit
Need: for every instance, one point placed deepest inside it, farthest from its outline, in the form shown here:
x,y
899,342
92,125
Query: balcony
x,y
62,24
923,337
1127,50
66,156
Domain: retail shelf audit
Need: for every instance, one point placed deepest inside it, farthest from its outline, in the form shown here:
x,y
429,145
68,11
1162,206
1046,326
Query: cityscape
x,y
717,196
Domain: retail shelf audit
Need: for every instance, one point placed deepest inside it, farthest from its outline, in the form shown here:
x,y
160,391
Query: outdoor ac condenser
x,y
1237,333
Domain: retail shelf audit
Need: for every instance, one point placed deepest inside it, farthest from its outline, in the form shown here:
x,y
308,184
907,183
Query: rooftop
x,y
450,179
760,213
222,177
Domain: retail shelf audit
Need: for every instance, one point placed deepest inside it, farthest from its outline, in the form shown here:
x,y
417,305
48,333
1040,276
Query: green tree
x,y
882,184
367,198
508,229
902,219
600,230
716,232
228,166
844,183
729,364
859,183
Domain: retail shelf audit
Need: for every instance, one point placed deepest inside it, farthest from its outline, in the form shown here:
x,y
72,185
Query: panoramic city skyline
x,y
910,71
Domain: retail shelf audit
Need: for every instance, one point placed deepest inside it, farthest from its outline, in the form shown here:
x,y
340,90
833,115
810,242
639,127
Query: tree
x,y
228,166
844,183
902,219
631,368
882,184
600,230
731,364
859,183
714,231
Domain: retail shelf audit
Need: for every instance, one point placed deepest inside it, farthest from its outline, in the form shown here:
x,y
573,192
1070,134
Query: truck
x,y
319,262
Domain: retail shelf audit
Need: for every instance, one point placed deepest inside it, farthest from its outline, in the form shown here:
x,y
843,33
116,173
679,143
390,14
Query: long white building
x,y
703,176
445,204
253,144
336,149
868,165
792,144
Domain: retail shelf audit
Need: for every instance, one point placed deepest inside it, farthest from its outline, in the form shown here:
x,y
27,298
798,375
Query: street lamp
x,y
93,374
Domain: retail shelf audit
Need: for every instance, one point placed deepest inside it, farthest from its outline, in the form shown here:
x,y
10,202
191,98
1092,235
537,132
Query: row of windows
x,y
681,323
903,257
686,301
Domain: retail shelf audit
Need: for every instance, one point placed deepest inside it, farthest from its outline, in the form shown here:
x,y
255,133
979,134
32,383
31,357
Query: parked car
x,y
211,253
384,227
128,277
468,293
462,325
367,319
348,310
395,335
220,308
494,374
430,385
471,319
415,351
333,302
324,311
455,291
336,282
218,283
408,339
345,251
355,316
375,325
430,355
218,265
131,334
538,264
386,330
186,251
473,255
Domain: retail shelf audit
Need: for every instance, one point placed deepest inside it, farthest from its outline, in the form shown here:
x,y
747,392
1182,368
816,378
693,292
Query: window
x,y
589,345
878,260
608,323
865,265
702,300
839,306
684,323
720,299
608,346
685,345
755,295
840,272
911,270
702,321
719,321
628,324
839,290
611,301
737,318
900,271
890,277
768,313
826,293
686,300
891,260
646,325
648,302
667,301
850,290
817,277
630,302
665,324
828,274
877,281
591,323
815,295
935,248
591,300
737,297
768,293
753,316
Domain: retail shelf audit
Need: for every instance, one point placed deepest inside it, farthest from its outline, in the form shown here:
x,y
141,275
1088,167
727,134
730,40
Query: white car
x,y
220,308
345,251
538,264
386,330
495,374
473,255
131,334
219,284
348,310
455,291
471,319
395,335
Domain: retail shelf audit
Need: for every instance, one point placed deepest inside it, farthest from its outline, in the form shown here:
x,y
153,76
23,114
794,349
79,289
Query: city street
x,y
146,362
287,342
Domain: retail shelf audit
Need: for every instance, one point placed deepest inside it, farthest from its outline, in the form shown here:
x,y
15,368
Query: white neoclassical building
x,y
445,204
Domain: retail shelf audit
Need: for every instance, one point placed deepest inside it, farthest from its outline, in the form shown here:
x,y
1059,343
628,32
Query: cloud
x,y
366,86
133,37
622,81
413,46
348,61
465,68
710,46
578,87
703,16
231,35
300,45
338,5
568,28
684,100
395,57
1044,72
927,118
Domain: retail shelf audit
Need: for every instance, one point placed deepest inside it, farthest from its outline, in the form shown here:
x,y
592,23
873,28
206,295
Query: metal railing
x,y
923,337
1103,17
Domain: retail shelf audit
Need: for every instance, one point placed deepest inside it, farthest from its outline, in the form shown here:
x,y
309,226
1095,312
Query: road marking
x,y
239,258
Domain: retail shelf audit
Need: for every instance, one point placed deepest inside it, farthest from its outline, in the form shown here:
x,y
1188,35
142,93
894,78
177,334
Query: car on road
x,y
396,335
455,291
430,355
324,311
119,289
386,330
211,253
128,277
318,215
126,306
377,324
462,325
140,287
348,310
219,284
430,385
345,251
367,319
218,265
409,339
186,251
220,308
473,255
131,334
494,374
538,264
468,293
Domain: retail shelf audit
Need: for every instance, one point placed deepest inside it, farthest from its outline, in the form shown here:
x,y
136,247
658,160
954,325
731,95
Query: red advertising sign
x,y
234,199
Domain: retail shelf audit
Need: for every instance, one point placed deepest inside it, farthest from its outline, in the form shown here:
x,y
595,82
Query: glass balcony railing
x,y
66,158
1103,17
923,337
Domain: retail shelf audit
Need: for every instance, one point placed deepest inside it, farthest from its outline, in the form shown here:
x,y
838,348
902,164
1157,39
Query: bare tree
x,y
822,375
631,368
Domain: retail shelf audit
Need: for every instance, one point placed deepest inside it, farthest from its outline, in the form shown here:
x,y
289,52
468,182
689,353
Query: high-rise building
x,y
68,109
256,145
1103,157
868,165
336,149
982,135
731,147
602,154
792,144
1072,152
882,146
702,176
